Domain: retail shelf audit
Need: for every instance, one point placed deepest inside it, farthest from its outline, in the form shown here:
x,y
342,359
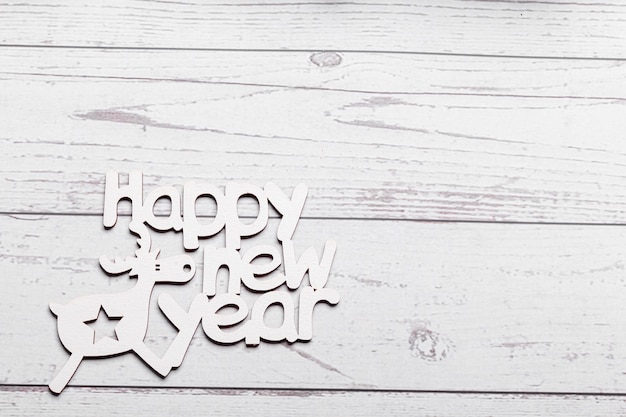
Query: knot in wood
x,y
326,59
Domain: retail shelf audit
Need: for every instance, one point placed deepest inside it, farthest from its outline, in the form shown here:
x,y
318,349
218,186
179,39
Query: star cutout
x,y
103,326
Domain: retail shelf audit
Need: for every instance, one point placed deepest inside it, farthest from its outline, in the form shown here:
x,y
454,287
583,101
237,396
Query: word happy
x,y
242,322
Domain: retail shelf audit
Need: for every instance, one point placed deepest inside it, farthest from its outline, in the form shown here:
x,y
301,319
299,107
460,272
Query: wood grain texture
x,y
364,154
474,111
386,73
425,306
20,401
541,28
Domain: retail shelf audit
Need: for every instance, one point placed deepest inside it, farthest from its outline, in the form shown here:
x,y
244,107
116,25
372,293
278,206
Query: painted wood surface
x,y
530,28
426,132
355,72
19,401
555,152
425,306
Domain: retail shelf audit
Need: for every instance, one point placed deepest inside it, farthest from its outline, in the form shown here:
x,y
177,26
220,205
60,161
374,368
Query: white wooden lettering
x,y
256,269
252,271
214,259
213,321
114,193
257,328
192,228
235,228
308,261
290,209
173,221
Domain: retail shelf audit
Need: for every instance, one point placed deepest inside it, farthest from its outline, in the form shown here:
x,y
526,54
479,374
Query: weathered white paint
x,y
78,402
362,154
425,306
149,267
344,71
251,91
593,28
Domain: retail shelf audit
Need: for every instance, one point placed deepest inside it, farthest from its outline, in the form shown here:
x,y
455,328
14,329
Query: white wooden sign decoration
x,y
245,324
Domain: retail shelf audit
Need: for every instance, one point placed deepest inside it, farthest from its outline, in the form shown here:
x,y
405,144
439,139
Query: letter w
x,y
318,271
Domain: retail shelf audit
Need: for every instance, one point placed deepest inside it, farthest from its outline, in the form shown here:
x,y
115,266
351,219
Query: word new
x,y
245,269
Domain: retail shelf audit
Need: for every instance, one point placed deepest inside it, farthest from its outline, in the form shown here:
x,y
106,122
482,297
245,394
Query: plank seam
x,y
8,387
381,219
310,88
362,51
375,219
12,214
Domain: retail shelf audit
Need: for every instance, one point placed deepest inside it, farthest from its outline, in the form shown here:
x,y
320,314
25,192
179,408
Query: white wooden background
x,y
469,157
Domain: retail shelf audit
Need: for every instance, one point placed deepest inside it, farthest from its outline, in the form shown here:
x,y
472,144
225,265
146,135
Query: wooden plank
x,y
425,306
548,28
363,154
350,71
29,401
